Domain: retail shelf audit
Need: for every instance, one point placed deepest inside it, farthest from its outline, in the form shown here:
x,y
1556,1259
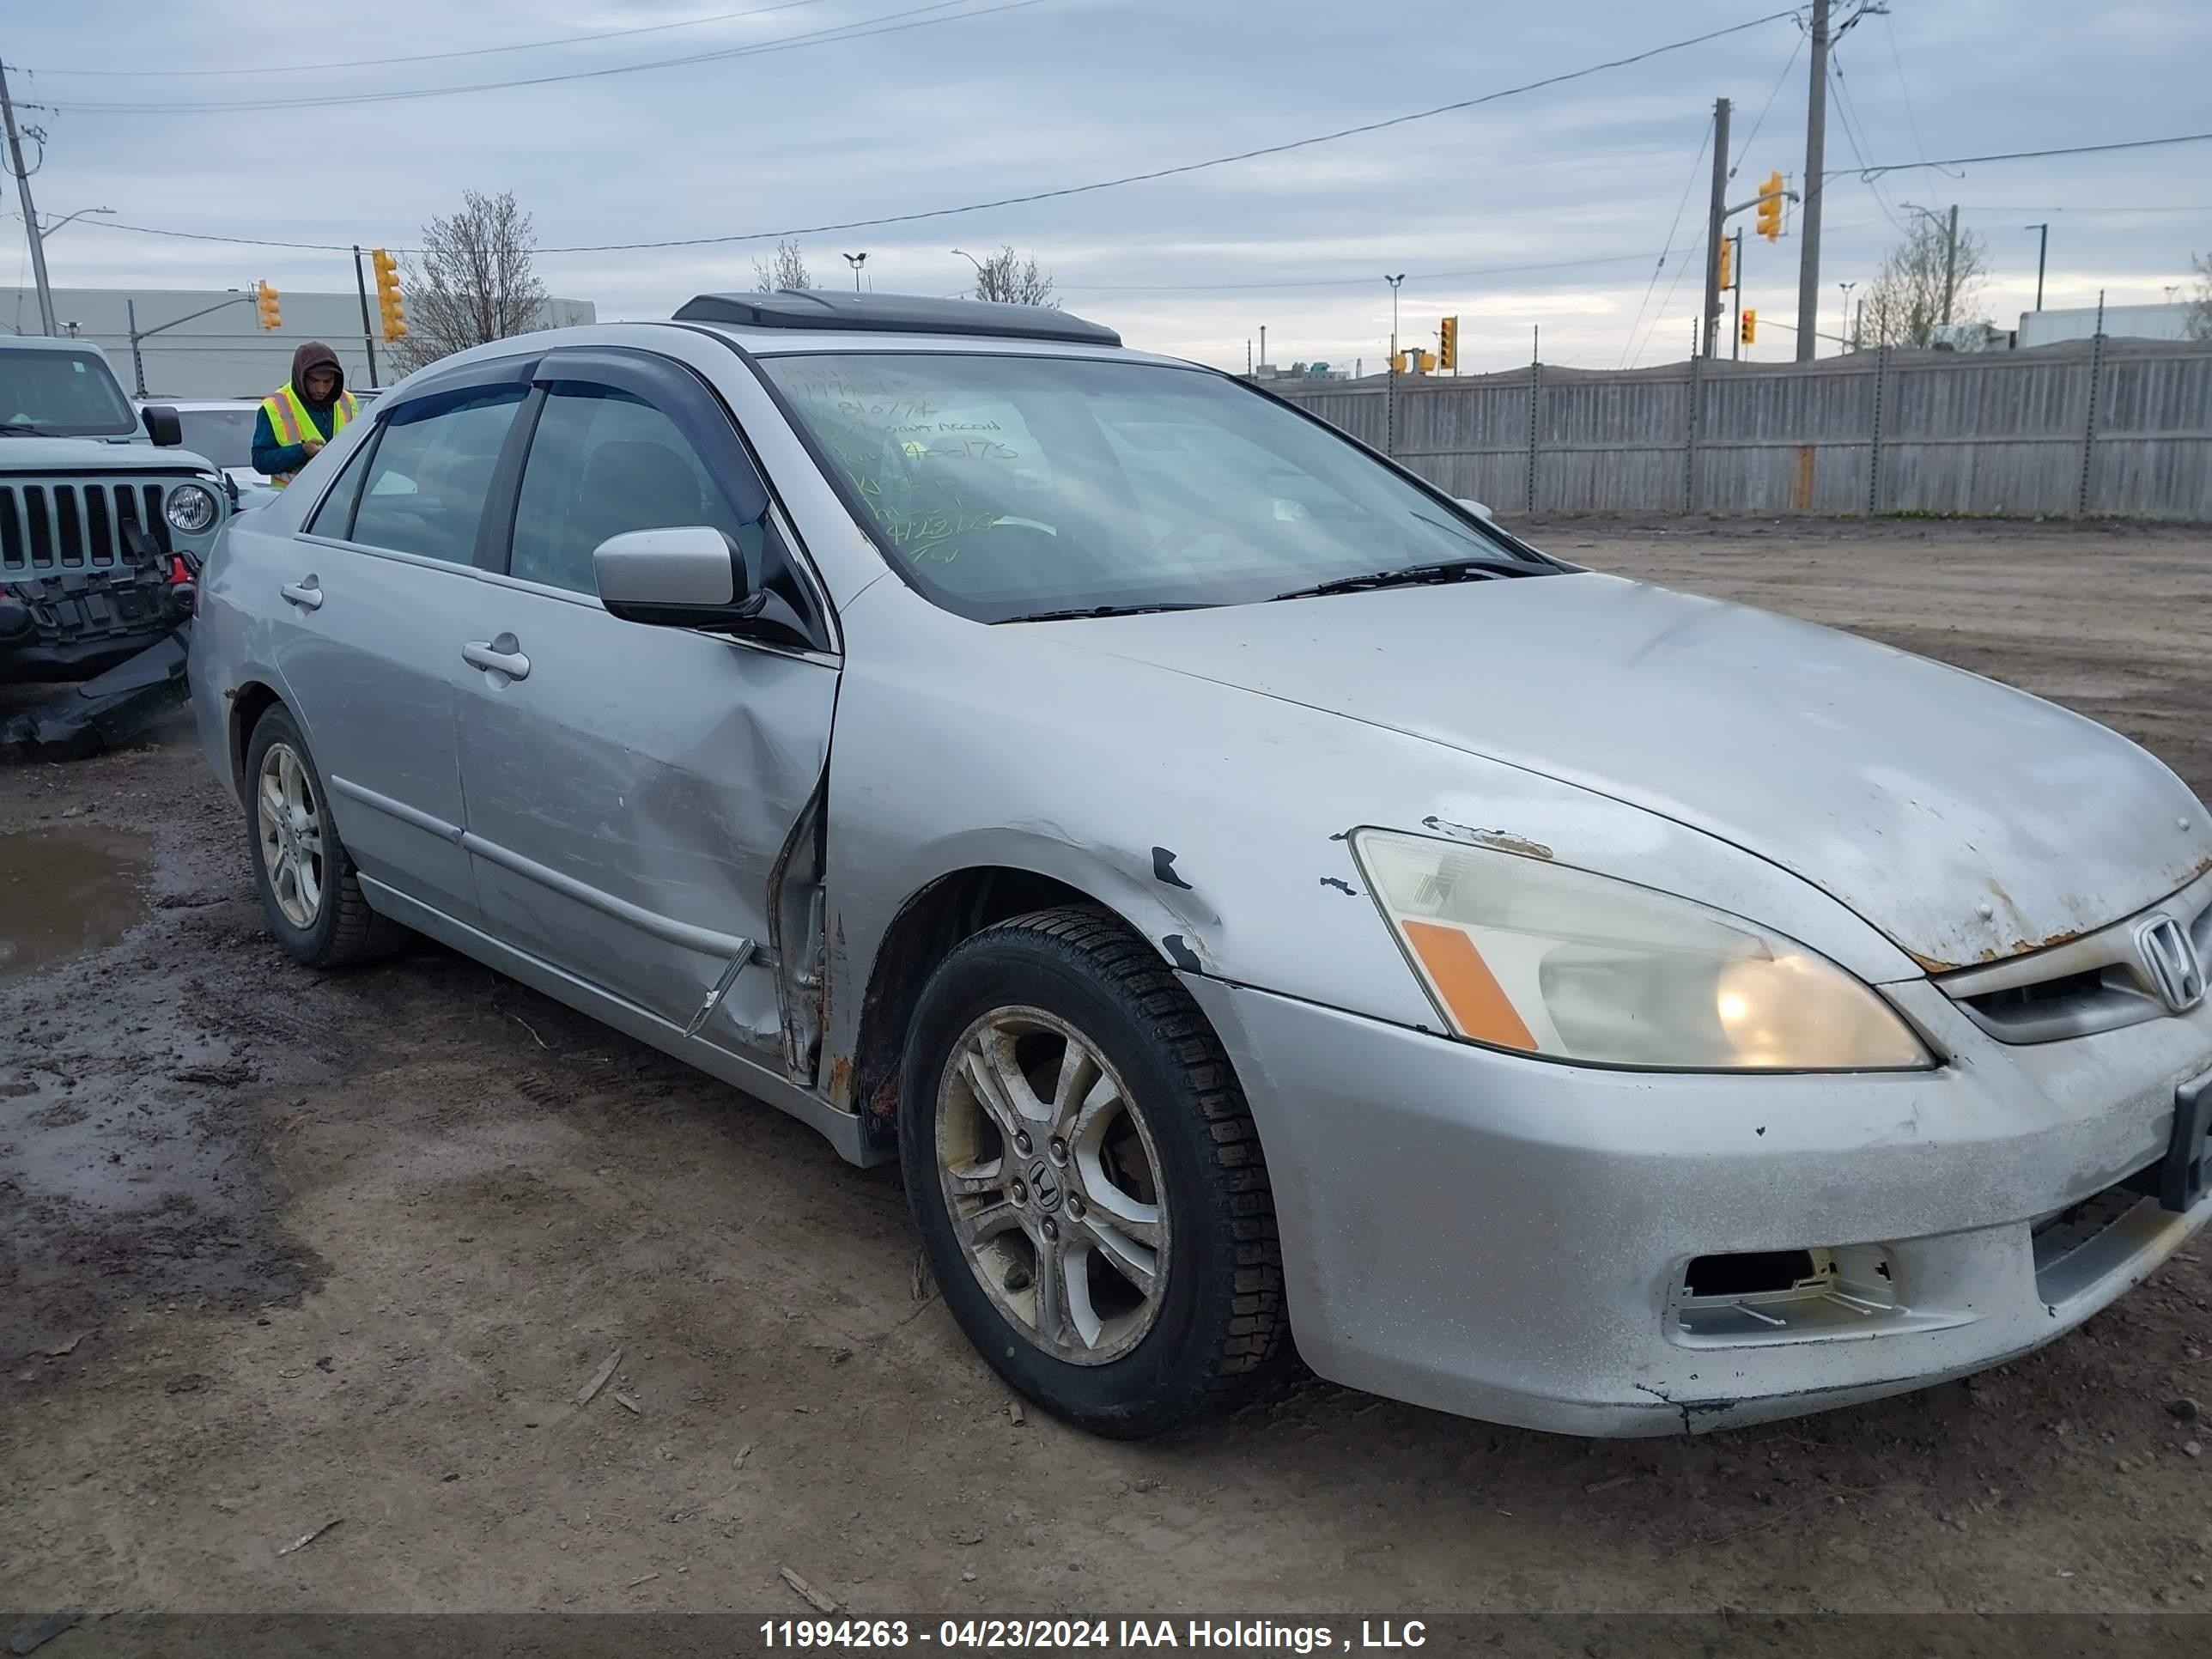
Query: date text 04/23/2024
x,y
1095,1635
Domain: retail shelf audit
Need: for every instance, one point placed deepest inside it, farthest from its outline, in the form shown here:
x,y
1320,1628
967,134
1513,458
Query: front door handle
x,y
500,656
307,595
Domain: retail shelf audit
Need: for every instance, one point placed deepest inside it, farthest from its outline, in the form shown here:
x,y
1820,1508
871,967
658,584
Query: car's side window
x,y
602,462
426,485
334,513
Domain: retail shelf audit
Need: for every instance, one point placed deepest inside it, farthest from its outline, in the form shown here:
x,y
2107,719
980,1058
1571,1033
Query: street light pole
x,y
978,264
1390,396
856,260
1847,288
2042,248
30,213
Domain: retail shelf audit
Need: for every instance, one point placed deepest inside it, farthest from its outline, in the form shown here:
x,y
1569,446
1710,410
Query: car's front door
x,y
630,787
374,593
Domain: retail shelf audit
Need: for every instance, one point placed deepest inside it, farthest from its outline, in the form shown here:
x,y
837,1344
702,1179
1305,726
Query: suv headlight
x,y
1522,954
190,508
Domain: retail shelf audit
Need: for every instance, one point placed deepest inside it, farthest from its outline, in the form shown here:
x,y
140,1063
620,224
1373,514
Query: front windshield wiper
x,y
30,427
1086,611
1413,575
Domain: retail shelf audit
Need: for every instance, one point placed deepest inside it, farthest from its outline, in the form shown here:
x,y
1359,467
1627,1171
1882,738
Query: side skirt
x,y
842,1129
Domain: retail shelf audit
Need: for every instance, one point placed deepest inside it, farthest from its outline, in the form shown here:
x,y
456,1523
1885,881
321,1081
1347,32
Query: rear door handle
x,y
500,656
307,595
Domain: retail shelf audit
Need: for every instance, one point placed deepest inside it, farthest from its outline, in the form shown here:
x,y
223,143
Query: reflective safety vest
x,y
289,420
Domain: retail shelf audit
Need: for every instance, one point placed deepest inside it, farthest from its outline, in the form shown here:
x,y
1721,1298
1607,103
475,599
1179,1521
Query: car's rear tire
x,y
310,892
1086,1177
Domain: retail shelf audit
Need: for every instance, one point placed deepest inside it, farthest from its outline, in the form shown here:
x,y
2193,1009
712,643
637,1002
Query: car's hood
x,y
22,454
1965,820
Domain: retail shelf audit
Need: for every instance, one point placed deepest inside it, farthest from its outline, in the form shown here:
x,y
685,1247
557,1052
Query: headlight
x,y
1527,955
191,508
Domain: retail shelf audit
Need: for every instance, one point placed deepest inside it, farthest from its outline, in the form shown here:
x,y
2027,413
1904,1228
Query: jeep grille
x,y
64,525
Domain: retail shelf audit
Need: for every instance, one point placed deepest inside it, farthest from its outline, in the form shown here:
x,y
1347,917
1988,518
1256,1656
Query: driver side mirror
x,y
163,425
1477,508
688,576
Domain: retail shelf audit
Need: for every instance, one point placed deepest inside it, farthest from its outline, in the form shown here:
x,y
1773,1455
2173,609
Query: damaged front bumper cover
x,y
105,710
1523,1241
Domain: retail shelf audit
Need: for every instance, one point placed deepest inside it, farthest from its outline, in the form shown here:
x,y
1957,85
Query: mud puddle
x,y
62,891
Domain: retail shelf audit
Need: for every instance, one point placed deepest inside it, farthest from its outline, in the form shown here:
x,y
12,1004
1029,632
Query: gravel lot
x,y
282,1252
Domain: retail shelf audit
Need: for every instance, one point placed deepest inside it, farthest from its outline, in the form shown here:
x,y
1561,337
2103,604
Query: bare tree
x,y
473,283
2197,320
1908,302
1007,276
788,269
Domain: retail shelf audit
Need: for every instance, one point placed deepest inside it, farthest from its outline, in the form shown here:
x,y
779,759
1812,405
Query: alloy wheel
x,y
291,830
1054,1185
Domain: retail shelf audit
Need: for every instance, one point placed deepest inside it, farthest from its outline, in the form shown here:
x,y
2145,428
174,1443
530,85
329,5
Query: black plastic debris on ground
x,y
103,712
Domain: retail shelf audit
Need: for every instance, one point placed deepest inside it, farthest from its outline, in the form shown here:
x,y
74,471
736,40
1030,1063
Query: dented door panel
x,y
628,801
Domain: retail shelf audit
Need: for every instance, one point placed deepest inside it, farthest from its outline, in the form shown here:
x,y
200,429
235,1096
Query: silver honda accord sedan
x,y
1250,892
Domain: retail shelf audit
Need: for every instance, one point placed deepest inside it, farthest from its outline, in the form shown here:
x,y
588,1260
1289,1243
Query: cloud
x,y
1071,91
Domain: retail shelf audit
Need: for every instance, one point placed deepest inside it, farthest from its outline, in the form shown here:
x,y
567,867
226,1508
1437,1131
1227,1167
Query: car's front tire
x,y
1087,1179
310,892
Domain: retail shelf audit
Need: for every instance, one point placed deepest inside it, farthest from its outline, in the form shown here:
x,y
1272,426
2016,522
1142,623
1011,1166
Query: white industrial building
x,y
224,354
2151,322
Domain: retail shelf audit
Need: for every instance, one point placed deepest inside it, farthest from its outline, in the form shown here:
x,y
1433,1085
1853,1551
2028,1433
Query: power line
x,y
1773,94
1338,282
1898,58
1849,110
855,31
425,57
2025,155
1667,247
1042,194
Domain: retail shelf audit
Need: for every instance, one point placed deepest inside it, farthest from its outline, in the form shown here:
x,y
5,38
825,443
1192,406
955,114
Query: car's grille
x,y
2098,982
65,525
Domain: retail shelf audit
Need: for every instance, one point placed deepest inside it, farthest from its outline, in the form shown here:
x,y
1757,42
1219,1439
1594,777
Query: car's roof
x,y
43,343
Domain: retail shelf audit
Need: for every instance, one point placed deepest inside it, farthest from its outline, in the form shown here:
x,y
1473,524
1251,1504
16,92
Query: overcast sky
x,y
972,99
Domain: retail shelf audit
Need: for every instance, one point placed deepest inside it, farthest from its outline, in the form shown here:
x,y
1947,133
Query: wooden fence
x,y
2090,428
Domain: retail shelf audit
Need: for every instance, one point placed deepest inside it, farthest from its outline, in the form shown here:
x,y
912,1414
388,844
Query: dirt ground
x,y
279,1253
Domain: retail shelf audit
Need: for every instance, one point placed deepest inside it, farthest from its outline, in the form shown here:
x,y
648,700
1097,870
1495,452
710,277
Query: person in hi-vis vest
x,y
301,415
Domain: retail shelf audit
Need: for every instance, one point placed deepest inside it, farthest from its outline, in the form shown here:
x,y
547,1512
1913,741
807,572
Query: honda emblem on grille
x,y
2169,957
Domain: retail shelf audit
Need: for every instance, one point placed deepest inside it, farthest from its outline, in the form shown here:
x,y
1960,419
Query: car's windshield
x,y
1005,487
225,436
62,394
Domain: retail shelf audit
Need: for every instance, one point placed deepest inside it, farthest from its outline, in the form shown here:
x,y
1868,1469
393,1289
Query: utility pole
x,y
1950,260
1715,223
2042,248
1263,345
30,213
368,333
1809,218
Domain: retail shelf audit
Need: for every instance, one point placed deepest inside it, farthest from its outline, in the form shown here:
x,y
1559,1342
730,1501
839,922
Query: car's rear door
x,y
368,617
630,787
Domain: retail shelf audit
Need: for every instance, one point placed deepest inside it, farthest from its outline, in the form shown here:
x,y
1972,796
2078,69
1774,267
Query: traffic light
x,y
1428,363
1748,330
1728,264
387,293
1770,207
265,307
1398,363
1448,343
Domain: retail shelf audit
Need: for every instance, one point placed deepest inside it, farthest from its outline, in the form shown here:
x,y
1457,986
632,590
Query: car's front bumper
x,y
1507,1239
